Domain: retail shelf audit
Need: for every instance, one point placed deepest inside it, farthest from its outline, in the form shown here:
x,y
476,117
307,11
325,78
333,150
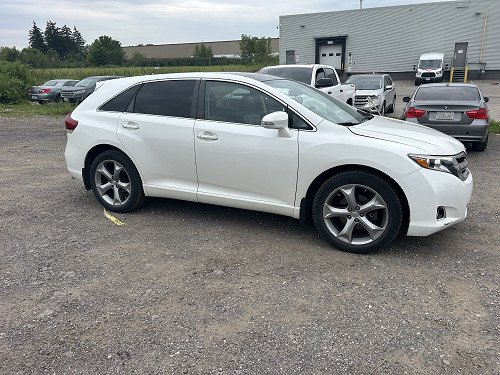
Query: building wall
x,y
391,39
228,48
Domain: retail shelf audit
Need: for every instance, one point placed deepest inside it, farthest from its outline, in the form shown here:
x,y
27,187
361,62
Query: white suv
x,y
264,143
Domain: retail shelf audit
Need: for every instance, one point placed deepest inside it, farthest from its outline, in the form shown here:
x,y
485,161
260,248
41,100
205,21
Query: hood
x,y
73,88
369,92
428,140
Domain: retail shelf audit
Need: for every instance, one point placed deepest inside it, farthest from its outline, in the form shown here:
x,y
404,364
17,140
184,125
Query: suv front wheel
x,y
357,211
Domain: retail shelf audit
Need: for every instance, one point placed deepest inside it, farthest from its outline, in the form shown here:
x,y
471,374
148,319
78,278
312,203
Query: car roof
x,y
432,56
294,66
261,77
449,85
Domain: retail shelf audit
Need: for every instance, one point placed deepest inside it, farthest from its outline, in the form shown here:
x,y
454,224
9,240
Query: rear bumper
x,y
41,97
426,191
474,132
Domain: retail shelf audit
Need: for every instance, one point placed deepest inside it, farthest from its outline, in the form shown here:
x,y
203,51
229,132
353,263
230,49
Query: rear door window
x,y
448,93
173,98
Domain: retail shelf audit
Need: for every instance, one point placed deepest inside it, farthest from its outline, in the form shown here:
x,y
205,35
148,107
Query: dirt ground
x,y
187,288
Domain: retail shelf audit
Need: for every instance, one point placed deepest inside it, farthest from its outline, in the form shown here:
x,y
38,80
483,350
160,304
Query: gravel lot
x,y
187,288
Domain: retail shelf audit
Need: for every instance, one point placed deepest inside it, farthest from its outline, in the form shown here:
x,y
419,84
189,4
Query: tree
x,y
36,39
106,51
34,58
9,54
137,59
203,52
54,39
255,50
78,42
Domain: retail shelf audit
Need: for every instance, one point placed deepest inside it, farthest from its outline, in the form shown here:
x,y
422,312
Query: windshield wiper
x,y
349,123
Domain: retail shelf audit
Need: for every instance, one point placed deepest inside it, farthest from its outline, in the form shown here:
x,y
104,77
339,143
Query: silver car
x,y
50,91
375,93
456,109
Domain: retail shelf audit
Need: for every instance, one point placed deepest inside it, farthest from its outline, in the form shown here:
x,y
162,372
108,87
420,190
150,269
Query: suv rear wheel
x,y
115,182
357,211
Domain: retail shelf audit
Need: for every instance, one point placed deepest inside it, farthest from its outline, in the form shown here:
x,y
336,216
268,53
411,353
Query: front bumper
x,y
375,109
427,190
420,80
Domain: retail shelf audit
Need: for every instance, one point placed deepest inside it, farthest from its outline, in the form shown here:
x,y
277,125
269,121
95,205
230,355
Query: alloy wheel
x,y
112,182
355,214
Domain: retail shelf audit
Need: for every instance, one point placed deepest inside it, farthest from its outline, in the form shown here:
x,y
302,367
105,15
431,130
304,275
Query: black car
x,y
82,89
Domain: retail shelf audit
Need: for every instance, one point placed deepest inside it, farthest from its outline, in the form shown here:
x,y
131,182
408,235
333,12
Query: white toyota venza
x,y
264,143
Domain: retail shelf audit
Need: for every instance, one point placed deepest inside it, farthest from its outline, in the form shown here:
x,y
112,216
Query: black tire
x,y
480,146
135,196
394,210
417,83
382,109
57,99
392,108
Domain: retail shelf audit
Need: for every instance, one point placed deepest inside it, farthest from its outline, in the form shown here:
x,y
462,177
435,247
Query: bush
x,y
14,81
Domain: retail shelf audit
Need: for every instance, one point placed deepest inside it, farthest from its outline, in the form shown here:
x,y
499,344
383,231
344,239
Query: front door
x,y
331,54
240,163
290,57
460,56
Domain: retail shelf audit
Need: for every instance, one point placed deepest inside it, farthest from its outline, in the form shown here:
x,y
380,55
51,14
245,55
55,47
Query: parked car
x,y
375,93
50,91
265,143
430,68
456,109
83,88
323,77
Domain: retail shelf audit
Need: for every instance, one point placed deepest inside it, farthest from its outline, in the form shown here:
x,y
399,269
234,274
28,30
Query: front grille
x,y
429,74
463,166
67,94
360,100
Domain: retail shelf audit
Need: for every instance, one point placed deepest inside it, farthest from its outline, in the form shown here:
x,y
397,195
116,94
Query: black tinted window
x,y
120,102
231,102
300,74
320,74
166,98
464,93
70,83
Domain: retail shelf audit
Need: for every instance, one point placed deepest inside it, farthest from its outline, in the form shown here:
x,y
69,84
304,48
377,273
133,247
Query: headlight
x,y
456,165
375,98
419,74
79,91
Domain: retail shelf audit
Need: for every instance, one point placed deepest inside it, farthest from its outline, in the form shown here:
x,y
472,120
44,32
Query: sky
x,y
163,21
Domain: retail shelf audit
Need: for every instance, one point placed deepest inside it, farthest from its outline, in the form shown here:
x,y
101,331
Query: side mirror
x,y
324,82
486,99
277,120
406,99
388,87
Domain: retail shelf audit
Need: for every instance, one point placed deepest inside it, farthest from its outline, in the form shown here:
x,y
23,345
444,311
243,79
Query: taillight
x,y
44,91
478,114
414,113
70,122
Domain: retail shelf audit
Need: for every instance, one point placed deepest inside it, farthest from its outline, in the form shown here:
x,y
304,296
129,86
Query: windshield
x,y
86,82
448,93
301,74
366,82
429,64
320,103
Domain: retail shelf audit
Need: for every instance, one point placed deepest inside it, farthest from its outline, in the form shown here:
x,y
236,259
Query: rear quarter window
x,y
449,93
120,102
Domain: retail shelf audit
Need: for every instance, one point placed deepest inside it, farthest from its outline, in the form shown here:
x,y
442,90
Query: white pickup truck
x,y
323,77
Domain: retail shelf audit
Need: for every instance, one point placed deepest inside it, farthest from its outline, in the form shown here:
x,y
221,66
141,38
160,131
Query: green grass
x,y
495,127
27,109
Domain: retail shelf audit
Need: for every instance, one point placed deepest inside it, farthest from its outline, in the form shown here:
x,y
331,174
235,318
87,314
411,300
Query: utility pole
x,y
360,4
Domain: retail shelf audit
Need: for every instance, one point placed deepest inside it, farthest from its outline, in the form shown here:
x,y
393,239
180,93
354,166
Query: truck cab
x,y
430,68
323,77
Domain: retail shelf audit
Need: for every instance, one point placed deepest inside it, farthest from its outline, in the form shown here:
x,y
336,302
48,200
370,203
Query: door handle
x,y
207,136
329,92
130,125
341,90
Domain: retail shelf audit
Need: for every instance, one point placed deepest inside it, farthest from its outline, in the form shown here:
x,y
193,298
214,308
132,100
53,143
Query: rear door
x,y
240,163
158,133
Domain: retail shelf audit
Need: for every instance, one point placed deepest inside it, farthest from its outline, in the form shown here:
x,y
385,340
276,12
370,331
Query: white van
x,y
430,68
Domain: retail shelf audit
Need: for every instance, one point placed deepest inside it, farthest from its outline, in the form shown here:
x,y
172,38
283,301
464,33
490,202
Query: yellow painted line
x,y
113,219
